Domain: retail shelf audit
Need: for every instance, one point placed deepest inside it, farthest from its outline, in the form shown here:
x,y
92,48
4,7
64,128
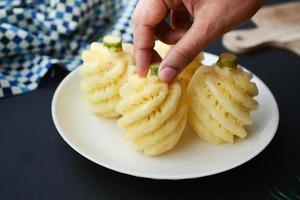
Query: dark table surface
x,y
35,162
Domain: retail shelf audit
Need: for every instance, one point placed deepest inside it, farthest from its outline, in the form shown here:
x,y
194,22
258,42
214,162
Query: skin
x,y
194,25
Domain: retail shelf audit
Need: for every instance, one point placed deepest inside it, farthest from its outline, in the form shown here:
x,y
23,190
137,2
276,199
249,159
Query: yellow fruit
x,y
103,72
186,75
154,114
220,102
161,48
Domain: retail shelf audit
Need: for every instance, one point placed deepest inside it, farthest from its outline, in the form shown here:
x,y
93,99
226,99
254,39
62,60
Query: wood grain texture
x,y
277,25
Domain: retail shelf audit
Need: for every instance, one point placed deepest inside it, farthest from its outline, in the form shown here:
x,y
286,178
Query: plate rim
x,y
153,176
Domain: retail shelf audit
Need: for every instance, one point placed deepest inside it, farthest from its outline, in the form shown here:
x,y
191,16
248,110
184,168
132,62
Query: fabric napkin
x,y
38,34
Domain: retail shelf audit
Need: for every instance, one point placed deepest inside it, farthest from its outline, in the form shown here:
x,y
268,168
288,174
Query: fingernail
x,y
141,72
167,74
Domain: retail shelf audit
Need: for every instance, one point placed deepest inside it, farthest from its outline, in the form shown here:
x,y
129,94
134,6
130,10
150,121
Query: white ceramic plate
x,y
101,141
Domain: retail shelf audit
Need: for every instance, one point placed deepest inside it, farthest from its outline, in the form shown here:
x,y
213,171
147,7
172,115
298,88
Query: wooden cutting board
x,y
277,25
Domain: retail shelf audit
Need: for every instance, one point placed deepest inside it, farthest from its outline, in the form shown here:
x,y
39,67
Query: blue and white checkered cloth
x,y
37,34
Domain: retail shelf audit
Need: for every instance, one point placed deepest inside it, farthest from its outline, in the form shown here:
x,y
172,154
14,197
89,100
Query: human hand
x,y
194,24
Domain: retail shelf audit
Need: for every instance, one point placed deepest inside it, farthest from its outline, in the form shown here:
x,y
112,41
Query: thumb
x,y
186,49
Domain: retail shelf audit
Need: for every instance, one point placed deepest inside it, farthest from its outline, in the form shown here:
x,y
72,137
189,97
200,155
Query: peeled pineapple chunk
x,y
103,72
220,101
185,76
154,114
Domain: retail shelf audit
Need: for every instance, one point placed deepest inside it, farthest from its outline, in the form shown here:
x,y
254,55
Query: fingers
x,y
181,19
211,20
202,32
166,34
147,15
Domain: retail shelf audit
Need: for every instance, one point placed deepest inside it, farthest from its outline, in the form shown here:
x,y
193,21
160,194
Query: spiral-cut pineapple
x,y
220,102
186,75
104,70
154,114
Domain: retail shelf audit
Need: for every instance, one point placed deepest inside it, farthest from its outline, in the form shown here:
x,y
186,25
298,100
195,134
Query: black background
x,y
35,162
